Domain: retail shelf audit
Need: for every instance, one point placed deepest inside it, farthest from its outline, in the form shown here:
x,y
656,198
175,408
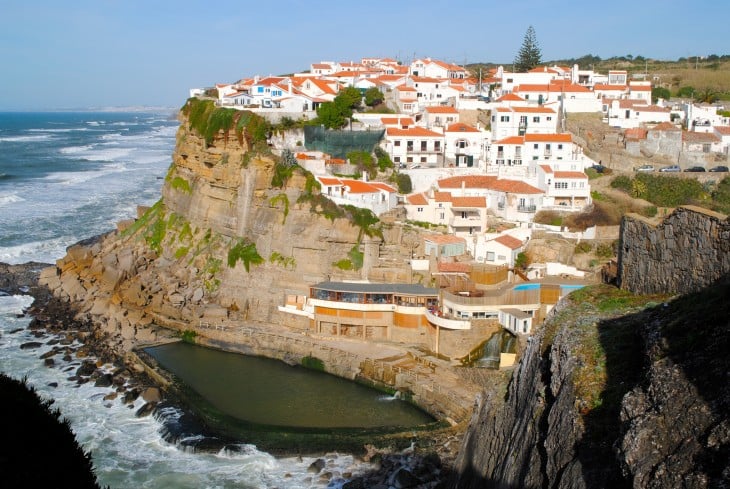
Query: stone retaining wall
x,y
687,251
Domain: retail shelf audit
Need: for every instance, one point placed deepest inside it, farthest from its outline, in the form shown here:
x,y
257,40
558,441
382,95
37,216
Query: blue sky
x,y
101,53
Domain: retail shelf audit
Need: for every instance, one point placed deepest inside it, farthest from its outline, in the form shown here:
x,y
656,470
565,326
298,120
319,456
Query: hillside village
x,y
484,155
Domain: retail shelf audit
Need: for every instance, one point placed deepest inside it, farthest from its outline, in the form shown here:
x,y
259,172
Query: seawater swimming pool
x,y
537,286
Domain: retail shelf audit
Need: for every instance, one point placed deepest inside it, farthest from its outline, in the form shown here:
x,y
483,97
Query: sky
x,y
80,54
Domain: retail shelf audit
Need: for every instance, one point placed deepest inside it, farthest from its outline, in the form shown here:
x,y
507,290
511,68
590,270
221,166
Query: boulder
x,y
151,394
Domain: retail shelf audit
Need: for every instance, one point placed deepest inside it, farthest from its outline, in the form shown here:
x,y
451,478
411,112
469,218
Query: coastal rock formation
x,y
185,262
615,391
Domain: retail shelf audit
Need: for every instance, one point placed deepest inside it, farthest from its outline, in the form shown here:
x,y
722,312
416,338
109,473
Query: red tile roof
x,y
441,109
413,131
509,241
442,196
723,130
480,202
417,199
665,126
489,182
635,133
511,140
564,137
510,97
699,137
461,127
546,168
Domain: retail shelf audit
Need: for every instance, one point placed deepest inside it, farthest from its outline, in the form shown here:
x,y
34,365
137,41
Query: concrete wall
x,y
687,251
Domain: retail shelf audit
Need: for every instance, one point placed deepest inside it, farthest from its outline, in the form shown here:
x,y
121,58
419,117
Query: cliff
x,y
616,390
235,232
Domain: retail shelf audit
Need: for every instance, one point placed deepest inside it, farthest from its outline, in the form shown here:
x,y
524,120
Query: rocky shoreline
x,y
95,359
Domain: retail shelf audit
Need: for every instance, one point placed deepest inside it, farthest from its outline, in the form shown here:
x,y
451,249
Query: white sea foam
x,y
128,451
73,150
10,198
25,139
41,251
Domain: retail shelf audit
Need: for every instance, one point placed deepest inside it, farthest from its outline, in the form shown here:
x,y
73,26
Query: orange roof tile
x,y
413,131
535,110
441,109
329,181
512,140
442,196
546,168
635,133
417,199
489,182
531,87
510,97
723,130
509,241
384,186
564,137
665,126
607,87
480,202
461,127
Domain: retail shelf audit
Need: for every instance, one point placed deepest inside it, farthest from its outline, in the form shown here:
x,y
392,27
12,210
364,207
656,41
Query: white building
x,y
376,196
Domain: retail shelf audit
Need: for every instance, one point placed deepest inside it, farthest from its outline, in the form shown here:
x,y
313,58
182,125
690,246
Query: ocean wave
x,y
25,139
72,150
6,199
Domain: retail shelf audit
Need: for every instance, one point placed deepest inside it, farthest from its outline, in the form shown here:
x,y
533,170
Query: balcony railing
x,y
526,208
424,151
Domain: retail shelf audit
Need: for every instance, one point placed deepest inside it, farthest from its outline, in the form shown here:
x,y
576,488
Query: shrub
x,y
622,182
403,180
583,247
246,252
649,211
551,218
313,363
181,185
188,336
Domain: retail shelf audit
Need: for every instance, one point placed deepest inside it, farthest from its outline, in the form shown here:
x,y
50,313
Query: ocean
x,y
67,176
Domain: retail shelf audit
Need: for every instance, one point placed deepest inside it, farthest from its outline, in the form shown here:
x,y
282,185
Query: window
x,y
510,80
535,146
396,142
424,145
561,185
490,255
423,159
420,209
437,146
441,215
504,118
560,146
409,159
409,145
549,118
397,159
536,119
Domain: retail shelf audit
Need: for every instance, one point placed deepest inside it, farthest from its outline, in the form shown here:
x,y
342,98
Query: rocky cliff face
x,y
172,267
615,391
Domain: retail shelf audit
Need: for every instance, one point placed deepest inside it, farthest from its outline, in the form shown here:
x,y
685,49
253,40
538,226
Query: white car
x,y
645,168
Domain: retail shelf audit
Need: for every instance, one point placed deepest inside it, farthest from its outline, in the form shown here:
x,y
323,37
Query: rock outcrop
x,y
173,266
603,400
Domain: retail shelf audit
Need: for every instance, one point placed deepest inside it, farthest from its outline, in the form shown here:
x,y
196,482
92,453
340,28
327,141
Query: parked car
x,y
695,169
670,168
720,169
598,168
644,168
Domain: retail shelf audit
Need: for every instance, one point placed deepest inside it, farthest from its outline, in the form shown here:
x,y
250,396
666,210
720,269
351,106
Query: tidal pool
x,y
269,392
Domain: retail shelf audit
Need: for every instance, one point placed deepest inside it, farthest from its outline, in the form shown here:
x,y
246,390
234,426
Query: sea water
x,y
67,176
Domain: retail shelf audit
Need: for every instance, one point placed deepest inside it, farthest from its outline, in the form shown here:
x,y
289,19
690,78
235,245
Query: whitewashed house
x,y
564,190
439,116
377,196
414,147
517,121
465,145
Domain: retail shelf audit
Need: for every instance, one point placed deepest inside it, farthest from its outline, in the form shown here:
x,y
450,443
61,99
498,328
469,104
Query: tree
x,y
660,93
350,97
529,55
373,96
332,116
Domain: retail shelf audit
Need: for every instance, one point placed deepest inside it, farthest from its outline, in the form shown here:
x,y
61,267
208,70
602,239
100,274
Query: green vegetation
x,y
287,262
664,191
208,121
583,247
281,199
384,161
373,96
188,336
313,363
336,114
364,162
551,218
529,55
181,185
404,183
212,267
244,251
284,169
181,252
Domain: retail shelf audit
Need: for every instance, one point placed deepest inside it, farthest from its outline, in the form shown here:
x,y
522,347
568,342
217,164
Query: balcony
x,y
448,323
526,208
424,151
